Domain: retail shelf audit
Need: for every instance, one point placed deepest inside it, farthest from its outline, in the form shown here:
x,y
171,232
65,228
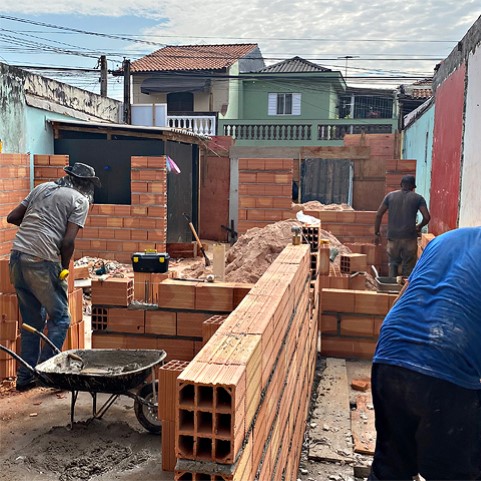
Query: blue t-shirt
x,y
435,327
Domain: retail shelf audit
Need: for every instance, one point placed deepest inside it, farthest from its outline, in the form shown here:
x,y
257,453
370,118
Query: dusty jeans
x,y
404,253
40,292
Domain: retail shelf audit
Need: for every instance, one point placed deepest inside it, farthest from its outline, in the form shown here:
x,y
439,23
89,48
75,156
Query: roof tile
x,y
192,57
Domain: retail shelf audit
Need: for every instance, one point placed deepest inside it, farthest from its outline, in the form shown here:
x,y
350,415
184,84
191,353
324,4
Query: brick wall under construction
x,y
14,187
265,192
243,400
116,231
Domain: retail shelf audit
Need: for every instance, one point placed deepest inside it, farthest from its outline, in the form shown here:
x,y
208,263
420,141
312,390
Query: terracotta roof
x,y
192,57
295,64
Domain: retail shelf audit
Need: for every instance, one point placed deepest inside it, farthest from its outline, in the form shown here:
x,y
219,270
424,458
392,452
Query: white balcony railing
x,y
202,124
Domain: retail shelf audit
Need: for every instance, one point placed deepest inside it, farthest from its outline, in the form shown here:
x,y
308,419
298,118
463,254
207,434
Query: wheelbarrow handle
x,y
19,359
31,329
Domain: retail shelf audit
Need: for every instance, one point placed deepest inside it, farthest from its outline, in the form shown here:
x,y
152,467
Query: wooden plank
x,y
362,425
329,439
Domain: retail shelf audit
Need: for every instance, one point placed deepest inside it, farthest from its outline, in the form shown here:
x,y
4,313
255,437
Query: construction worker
x,y
402,232
49,219
426,373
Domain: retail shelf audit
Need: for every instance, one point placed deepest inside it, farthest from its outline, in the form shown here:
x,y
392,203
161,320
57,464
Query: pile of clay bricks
x,y
243,401
168,314
14,187
11,321
395,170
350,321
265,192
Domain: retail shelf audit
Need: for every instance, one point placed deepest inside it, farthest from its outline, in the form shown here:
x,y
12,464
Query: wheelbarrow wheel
x,y
147,414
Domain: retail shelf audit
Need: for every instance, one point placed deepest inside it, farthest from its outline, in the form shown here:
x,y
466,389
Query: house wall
x,y
315,102
27,101
469,213
447,141
418,144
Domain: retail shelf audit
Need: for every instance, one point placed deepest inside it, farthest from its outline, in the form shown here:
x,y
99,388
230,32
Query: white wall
x,y
470,202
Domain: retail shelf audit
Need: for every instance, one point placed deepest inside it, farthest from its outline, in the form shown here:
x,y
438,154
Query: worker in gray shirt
x,y
402,230
49,219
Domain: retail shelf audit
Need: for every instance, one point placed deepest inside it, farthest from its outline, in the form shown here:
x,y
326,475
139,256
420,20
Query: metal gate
x,y
328,181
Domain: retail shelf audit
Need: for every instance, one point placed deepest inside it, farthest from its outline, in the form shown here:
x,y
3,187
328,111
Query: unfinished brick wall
x,y
11,321
174,324
14,187
395,169
117,231
350,321
370,174
265,192
242,402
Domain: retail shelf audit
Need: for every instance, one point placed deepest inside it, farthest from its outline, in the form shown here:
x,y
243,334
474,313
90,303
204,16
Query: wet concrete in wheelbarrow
x,y
38,444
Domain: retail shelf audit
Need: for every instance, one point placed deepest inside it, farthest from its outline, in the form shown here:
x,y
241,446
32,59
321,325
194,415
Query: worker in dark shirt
x,y
402,230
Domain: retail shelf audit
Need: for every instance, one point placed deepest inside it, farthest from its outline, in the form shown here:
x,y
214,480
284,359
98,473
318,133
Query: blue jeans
x,y
40,293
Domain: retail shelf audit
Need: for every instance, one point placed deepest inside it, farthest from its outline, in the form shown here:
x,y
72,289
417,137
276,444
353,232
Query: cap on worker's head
x,y
409,181
83,171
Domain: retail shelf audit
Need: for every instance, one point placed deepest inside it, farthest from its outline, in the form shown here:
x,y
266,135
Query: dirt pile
x,y
255,250
316,205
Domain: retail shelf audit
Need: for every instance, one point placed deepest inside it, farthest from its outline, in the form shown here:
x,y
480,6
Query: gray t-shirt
x,y
49,208
403,206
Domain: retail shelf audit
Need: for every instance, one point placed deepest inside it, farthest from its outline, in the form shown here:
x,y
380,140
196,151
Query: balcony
x,y
198,124
302,133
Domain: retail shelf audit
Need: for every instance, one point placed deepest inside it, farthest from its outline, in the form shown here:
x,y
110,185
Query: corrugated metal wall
x,y
327,180
469,214
448,132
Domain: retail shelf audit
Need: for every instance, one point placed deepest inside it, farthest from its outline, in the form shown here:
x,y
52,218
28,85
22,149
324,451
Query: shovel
x,y
199,243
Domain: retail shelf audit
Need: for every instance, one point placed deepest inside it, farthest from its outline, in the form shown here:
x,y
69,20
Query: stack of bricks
x,y
76,332
117,231
350,321
395,170
265,192
173,322
14,187
312,235
167,376
243,400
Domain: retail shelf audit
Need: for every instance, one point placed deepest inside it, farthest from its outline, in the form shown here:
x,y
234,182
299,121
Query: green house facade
x,y
299,103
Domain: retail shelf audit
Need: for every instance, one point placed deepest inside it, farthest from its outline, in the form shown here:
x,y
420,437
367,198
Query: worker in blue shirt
x,y
426,374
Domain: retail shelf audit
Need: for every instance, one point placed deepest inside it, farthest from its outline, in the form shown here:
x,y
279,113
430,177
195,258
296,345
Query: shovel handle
x,y
31,329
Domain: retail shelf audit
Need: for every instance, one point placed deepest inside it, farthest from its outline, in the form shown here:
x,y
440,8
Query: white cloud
x,y
329,25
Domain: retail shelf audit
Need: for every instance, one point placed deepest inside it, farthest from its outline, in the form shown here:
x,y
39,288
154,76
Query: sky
x,y
400,39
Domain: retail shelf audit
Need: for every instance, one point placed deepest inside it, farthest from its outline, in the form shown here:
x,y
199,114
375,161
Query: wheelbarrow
x,y
110,371
387,284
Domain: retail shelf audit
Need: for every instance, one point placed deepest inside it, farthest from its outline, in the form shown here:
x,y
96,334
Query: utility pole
x,y
127,109
103,76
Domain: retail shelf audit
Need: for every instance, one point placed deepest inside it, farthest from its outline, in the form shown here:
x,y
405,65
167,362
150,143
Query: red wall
x,y
446,167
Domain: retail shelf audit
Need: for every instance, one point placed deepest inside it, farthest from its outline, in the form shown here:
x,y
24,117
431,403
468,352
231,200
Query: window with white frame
x,y
284,104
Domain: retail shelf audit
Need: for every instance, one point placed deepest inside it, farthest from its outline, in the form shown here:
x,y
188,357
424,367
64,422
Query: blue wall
x,y
418,144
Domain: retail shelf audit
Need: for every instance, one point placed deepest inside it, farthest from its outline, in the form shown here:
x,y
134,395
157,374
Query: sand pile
x,y
255,251
316,205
